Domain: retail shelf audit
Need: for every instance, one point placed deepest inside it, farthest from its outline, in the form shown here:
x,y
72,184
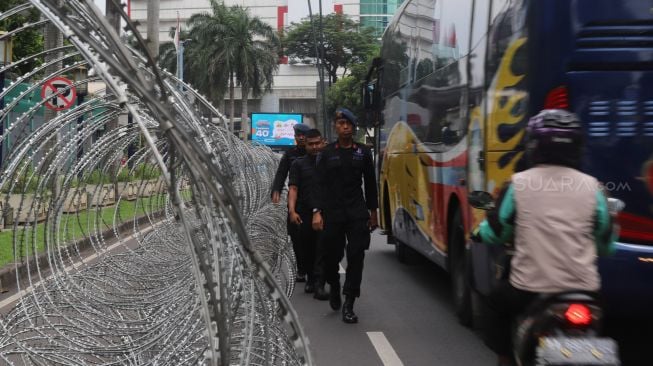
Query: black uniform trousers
x,y
352,237
293,232
307,242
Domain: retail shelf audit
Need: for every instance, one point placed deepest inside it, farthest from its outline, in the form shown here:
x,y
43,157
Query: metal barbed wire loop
x,y
141,228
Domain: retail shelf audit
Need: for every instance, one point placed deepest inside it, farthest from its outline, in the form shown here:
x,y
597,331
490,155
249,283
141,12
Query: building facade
x,y
377,13
295,85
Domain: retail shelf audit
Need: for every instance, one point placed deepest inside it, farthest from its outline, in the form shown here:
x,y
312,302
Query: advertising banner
x,y
275,129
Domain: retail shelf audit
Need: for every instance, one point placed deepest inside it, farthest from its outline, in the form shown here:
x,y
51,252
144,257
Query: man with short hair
x,y
346,214
280,180
302,198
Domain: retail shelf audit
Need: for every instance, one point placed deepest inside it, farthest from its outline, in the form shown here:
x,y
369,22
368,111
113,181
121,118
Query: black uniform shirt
x,y
284,166
341,172
303,175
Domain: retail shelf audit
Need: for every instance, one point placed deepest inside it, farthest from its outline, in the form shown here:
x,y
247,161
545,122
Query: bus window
x,y
479,45
425,27
395,58
507,23
454,28
442,96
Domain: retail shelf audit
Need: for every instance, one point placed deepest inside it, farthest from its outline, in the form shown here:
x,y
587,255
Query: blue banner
x,y
275,129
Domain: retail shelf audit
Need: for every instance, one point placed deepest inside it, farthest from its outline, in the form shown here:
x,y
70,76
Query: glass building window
x,y
378,13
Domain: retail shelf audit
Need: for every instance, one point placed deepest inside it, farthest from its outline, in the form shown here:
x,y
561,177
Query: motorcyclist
x,y
558,220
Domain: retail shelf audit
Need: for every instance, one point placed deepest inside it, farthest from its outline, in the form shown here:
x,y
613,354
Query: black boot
x,y
301,277
310,287
348,315
311,284
320,292
334,297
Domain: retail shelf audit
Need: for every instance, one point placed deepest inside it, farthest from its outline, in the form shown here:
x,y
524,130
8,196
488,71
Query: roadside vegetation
x,y
74,227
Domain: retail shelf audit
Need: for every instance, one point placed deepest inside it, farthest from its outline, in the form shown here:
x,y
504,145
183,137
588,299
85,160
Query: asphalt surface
x,y
411,307
409,304
406,318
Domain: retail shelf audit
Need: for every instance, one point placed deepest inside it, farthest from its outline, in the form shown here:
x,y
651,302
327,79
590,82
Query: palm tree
x,y
213,61
257,57
234,48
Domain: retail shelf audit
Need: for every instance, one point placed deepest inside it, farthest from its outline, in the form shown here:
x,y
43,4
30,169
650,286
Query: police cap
x,y
346,114
300,129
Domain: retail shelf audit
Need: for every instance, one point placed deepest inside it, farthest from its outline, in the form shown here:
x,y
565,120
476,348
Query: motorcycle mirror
x,y
615,205
481,200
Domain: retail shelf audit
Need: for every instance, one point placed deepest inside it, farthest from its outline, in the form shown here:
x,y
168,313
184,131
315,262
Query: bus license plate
x,y
577,351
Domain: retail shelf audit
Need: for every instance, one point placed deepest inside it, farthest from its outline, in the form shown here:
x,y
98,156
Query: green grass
x,y
75,226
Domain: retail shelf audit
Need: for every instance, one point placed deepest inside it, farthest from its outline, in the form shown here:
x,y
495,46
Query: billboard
x,y
275,129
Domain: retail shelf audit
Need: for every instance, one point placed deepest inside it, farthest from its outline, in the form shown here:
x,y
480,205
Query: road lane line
x,y
341,270
384,349
15,297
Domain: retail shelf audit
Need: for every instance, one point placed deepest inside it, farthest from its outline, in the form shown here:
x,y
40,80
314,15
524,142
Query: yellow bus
x,y
453,90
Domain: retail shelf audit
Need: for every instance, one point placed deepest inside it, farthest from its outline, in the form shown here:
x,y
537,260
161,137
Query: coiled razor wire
x,y
150,242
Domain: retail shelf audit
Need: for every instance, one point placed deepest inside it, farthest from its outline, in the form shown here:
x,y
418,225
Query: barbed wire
x,y
140,228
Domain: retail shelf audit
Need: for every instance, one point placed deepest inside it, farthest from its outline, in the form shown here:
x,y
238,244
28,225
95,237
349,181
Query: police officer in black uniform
x,y
345,213
278,184
302,197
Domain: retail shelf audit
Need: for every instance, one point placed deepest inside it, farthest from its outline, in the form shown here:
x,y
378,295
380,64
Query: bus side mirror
x,y
615,205
371,95
480,200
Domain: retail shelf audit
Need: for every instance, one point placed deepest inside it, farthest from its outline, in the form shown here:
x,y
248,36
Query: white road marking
x,y
341,270
384,349
15,297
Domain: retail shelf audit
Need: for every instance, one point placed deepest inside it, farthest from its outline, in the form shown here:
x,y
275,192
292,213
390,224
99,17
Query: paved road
x,y
411,308
406,317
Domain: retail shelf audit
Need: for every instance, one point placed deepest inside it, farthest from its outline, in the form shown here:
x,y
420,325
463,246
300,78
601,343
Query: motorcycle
x,y
556,329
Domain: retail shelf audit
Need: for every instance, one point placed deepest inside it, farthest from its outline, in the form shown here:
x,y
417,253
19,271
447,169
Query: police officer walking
x,y
278,184
302,197
346,215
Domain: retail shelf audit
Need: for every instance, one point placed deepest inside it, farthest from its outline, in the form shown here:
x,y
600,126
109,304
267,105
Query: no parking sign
x,y
58,102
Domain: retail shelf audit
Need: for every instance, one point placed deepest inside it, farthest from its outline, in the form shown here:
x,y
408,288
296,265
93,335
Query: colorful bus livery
x,y
453,90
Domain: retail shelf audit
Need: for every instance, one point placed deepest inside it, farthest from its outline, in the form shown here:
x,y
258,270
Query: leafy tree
x,y
345,43
232,47
347,92
214,60
27,42
256,54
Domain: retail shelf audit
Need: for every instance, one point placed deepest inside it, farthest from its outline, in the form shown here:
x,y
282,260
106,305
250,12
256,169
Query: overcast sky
x,y
102,4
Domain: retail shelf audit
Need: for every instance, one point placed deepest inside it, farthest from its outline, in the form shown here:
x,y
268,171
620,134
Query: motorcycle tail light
x,y
578,315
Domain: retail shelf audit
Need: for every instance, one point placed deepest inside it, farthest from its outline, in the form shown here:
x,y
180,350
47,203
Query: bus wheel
x,y
458,270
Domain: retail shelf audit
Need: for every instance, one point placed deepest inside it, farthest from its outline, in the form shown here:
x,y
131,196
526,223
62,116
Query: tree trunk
x,y
333,73
153,10
232,103
244,120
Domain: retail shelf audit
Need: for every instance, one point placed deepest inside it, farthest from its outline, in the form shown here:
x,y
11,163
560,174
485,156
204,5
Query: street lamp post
x,y
80,75
180,61
5,58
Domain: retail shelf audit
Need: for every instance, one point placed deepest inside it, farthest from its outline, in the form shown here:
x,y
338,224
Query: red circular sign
x,y
58,93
